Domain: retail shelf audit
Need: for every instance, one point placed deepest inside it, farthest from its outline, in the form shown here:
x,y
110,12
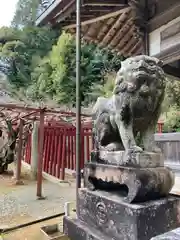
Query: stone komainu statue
x,y
134,108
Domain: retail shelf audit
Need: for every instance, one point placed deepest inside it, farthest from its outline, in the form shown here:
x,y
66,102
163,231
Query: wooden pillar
x,y
63,160
86,147
34,151
19,153
146,32
40,156
78,101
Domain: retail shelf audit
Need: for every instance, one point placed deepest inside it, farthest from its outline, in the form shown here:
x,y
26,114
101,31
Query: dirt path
x,y
32,232
18,204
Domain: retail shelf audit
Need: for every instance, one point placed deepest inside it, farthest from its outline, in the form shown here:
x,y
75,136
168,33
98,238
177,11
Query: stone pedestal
x,y
131,159
137,184
103,215
126,197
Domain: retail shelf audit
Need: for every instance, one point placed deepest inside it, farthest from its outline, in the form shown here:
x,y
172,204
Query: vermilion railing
x,y
60,150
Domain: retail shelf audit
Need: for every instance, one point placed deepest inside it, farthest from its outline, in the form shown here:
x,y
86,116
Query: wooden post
x,y
40,156
34,151
19,154
62,175
78,101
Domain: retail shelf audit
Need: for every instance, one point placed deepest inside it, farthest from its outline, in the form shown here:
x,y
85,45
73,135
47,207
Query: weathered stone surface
x,y
140,184
77,230
117,220
126,162
172,235
133,109
133,159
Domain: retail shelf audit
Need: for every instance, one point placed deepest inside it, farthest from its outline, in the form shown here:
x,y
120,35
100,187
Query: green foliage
x,y
43,66
104,90
172,120
171,106
8,34
55,75
26,12
173,91
23,49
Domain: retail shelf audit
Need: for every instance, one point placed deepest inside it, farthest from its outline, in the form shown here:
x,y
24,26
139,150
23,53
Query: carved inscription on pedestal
x,y
101,213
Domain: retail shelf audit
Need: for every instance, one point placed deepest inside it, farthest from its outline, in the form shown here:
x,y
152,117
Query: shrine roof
x,y
115,31
64,11
108,23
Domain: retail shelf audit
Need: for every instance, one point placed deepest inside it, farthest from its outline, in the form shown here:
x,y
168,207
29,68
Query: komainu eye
x,y
151,63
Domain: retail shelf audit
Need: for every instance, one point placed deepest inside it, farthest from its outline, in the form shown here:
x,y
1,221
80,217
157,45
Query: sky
x,y
7,10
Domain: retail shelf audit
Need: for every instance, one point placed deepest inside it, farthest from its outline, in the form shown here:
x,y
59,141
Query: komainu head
x,y
142,74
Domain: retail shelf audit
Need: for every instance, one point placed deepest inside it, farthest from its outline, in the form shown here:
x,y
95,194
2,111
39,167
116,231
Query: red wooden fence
x,y
60,150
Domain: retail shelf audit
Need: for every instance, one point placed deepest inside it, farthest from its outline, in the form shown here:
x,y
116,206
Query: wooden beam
x,y
115,27
72,20
101,18
127,41
164,18
11,106
169,55
121,33
104,3
51,11
105,28
134,48
100,8
65,12
172,70
87,13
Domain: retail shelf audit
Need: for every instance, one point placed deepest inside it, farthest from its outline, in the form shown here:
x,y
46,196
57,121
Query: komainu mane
x,y
134,108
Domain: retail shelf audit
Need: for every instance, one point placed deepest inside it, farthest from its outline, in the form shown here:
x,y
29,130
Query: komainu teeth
x,y
103,178
111,179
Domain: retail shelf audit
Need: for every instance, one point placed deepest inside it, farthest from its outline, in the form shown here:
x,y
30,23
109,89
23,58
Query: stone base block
x,y
77,230
121,158
117,220
172,235
138,184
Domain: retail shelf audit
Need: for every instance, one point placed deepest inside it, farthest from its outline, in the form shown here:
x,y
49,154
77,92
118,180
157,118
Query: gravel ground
x,y
32,232
18,204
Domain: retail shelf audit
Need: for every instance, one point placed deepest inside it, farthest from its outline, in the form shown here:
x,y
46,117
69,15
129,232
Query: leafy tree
x,y
173,91
14,51
22,50
104,90
26,12
171,106
42,84
8,34
57,77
